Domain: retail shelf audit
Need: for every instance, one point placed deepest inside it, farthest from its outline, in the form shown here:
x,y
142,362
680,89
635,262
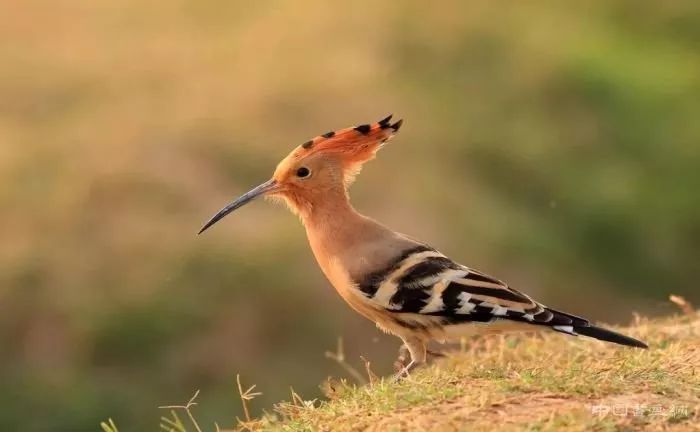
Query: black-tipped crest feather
x,y
397,125
384,123
363,129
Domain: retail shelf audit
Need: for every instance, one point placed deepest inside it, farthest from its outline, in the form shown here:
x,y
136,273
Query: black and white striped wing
x,y
425,282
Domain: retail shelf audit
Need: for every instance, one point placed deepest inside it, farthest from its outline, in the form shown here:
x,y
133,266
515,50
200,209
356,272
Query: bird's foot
x,y
402,365
405,372
404,355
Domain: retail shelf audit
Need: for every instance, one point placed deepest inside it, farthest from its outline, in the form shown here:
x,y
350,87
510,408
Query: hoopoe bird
x,y
406,287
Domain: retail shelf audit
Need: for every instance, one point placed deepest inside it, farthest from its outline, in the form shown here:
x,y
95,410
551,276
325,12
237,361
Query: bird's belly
x,y
458,331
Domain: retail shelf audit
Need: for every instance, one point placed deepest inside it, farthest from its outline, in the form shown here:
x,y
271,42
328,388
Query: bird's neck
x,y
347,244
335,229
331,220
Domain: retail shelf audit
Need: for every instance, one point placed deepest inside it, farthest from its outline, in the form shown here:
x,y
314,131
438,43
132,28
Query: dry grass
x,y
538,383
543,382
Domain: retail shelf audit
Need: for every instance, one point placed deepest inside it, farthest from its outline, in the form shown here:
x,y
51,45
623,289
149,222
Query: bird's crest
x,y
354,145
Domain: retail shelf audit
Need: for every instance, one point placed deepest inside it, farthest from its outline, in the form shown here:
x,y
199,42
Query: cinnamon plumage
x,y
406,287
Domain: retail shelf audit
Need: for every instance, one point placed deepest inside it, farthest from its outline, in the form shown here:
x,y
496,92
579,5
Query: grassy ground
x,y
543,382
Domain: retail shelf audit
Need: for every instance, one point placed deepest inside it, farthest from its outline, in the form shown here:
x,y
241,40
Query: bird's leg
x,y
401,361
415,347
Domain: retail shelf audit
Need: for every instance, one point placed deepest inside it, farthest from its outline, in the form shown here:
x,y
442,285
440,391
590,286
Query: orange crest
x,y
354,145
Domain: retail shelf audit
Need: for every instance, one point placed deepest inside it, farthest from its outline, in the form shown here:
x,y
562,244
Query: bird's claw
x,y
404,372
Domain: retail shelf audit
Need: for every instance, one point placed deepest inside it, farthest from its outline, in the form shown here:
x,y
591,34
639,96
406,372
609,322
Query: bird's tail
x,y
574,325
609,336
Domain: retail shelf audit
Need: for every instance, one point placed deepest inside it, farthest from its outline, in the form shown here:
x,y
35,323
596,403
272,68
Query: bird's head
x,y
319,168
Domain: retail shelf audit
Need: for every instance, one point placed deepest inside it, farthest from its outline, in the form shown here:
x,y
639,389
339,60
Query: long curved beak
x,y
239,202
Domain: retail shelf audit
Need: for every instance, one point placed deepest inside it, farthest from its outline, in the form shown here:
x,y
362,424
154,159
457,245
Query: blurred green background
x,y
554,144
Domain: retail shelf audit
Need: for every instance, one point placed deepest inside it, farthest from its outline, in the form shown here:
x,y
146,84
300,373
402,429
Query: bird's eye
x,y
303,172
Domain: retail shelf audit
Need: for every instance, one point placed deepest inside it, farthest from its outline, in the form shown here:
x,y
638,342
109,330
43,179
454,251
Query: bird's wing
x,y
425,282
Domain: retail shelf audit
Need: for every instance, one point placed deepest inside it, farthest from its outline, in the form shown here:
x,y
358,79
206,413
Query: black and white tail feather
x,y
422,287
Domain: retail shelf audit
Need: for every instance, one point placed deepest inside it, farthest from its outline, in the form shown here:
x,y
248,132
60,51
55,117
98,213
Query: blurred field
x,y
552,144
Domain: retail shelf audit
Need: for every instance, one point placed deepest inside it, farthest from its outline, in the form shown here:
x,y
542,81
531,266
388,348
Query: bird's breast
x,y
347,288
341,280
